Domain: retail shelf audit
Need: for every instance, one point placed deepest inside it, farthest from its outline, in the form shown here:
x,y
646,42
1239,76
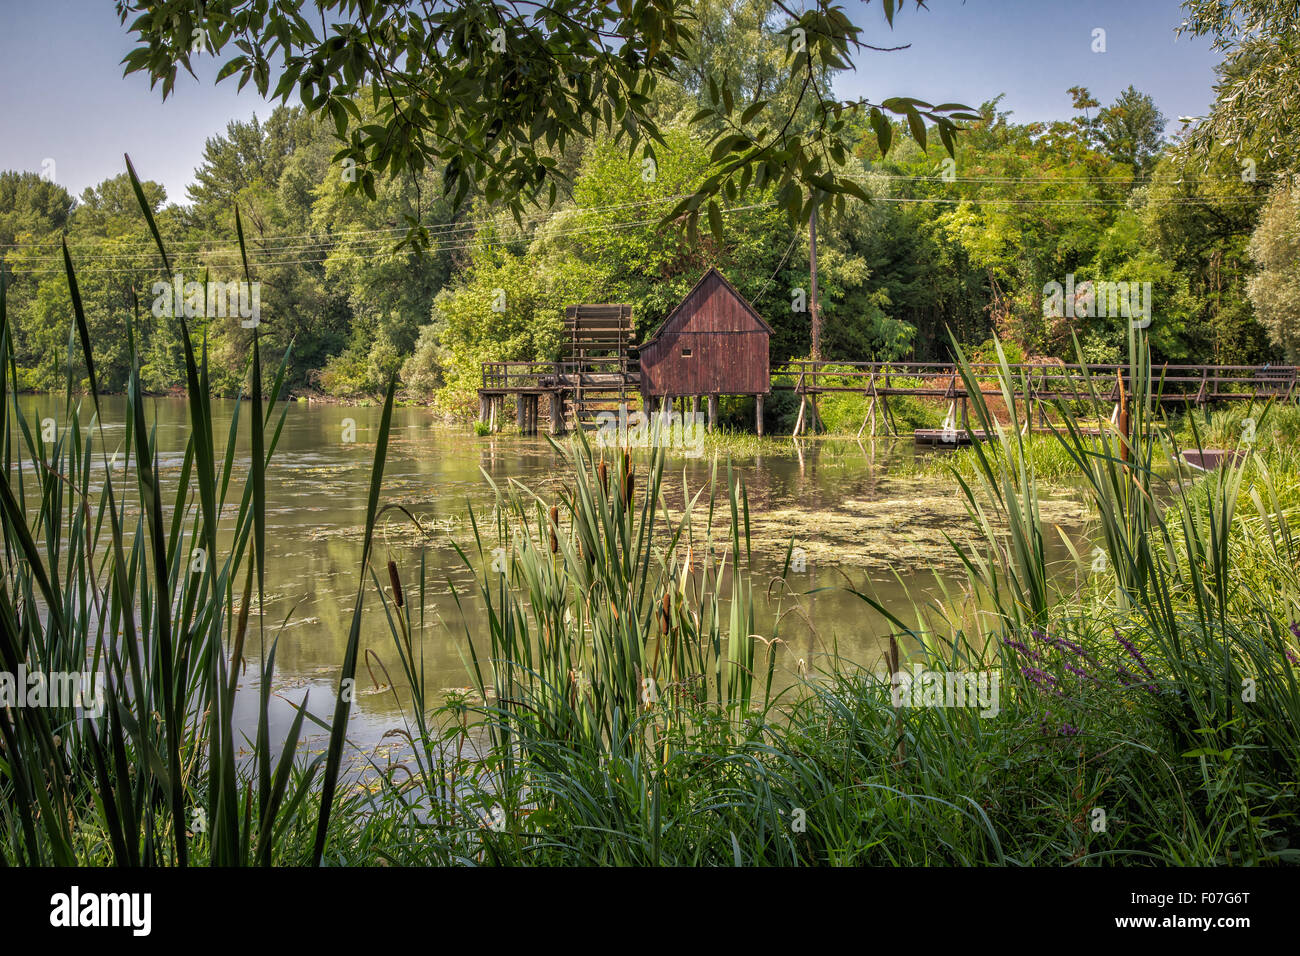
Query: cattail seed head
x,y
398,599
555,520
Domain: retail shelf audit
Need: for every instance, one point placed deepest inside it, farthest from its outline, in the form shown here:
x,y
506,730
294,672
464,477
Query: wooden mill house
x,y
713,344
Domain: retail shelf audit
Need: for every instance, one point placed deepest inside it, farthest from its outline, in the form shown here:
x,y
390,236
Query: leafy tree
x,y
1257,99
30,208
1197,222
506,310
251,154
1274,289
1131,130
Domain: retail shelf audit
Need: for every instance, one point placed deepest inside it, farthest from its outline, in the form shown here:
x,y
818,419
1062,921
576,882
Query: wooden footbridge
x,y
575,390
1036,385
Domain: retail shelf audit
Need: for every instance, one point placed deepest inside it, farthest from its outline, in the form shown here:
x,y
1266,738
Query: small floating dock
x,y
964,436
953,438
1211,459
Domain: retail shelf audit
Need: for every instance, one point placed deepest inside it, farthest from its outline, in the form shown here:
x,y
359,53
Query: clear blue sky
x,y
65,98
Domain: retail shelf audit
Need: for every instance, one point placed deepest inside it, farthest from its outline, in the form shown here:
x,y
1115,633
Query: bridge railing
x,y
1173,383
513,376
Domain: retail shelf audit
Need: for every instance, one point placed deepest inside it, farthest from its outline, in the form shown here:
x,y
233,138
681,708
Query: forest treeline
x,y
962,245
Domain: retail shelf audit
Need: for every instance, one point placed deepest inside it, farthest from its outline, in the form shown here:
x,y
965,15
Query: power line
x,y
448,247
389,231
383,234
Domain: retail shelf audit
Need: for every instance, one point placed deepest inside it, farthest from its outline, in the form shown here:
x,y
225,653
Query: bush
x,y
422,372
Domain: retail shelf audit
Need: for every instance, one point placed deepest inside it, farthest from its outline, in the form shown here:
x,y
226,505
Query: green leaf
x,y
917,126
715,221
884,130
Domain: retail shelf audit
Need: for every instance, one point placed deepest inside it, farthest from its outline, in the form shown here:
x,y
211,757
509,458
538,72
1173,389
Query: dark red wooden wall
x,y
727,343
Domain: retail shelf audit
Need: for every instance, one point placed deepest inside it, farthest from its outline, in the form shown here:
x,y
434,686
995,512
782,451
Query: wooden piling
x,y
556,411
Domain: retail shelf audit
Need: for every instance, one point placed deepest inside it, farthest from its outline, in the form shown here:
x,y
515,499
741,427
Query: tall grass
x,y
106,569
1209,668
1148,711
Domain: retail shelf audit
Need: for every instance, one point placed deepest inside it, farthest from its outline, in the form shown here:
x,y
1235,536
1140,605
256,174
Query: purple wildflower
x,y
1040,678
1016,645
1069,730
1134,653
1079,671
1129,679
1075,649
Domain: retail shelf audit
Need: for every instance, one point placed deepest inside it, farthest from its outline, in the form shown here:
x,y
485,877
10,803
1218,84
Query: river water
x,y
845,505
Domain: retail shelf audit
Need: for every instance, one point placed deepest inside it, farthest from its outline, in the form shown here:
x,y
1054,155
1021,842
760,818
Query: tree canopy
x,y
493,92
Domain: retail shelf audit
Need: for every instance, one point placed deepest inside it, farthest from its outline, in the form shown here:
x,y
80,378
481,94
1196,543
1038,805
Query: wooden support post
x,y
803,400
758,414
871,410
483,403
556,410
713,413
521,414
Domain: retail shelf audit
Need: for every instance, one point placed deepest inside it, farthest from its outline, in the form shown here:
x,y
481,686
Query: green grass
x,y
1051,461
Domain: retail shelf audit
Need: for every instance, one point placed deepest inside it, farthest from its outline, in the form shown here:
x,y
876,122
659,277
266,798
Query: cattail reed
x,y
629,479
397,584
555,520
602,471
898,711
665,608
